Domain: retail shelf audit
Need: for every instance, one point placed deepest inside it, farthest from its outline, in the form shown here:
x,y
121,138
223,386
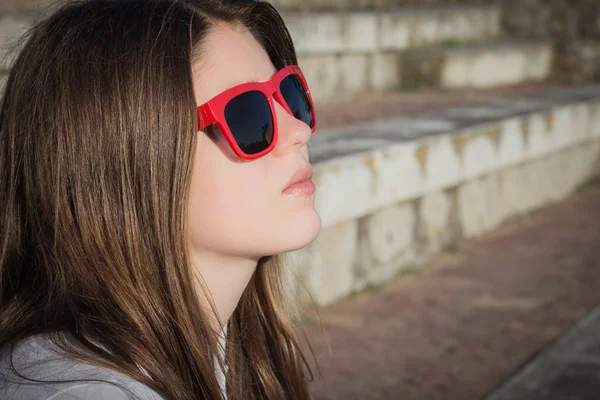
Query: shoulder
x,y
79,391
39,360
83,391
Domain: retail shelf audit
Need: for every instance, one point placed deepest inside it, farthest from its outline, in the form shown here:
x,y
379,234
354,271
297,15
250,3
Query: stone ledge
x,y
393,207
22,5
12,26
398,29
478,66
467,66
356,168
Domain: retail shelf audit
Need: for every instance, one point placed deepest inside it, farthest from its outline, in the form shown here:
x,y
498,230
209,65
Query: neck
x,y
225,278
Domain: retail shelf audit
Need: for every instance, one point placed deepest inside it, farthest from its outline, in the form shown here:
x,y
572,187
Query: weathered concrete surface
x,y
472,317
395,29
425,101
573,26
479,66
370,5
337,75
12,26
392,193
22,5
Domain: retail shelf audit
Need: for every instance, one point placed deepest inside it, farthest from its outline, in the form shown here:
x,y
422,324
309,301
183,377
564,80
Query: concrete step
x,y
478,66
13,6
313,5
356,111
347,128
392,193
355,53
323,33
12,26
364,5
332,76
391,30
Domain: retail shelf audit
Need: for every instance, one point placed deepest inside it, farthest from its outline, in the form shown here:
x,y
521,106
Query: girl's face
x,y
239,208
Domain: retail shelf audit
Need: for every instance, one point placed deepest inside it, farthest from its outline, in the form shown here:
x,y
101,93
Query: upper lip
x,y
303,173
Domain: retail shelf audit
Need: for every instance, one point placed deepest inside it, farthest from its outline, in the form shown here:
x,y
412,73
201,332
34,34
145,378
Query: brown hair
x,y
97,137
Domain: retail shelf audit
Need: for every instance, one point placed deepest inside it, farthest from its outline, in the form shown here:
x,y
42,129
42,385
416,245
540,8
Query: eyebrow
x,y
261,80
253,80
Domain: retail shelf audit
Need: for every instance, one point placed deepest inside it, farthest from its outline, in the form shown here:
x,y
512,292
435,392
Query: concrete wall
x,y
572,26
350,53
21,5
391,204
369,5
398,29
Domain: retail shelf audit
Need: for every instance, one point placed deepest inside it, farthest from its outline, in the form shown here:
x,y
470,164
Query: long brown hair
x,y
97,137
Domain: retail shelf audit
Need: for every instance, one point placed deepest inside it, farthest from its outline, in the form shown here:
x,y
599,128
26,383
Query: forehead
x,y
230,56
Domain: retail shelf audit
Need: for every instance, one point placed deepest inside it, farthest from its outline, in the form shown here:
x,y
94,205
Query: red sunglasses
x,y
246,113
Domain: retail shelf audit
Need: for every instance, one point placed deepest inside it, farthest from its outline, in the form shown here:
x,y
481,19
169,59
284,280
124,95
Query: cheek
x,y
237,208
228,199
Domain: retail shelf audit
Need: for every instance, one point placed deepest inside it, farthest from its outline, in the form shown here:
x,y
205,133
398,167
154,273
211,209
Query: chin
x,y
299,232
311,231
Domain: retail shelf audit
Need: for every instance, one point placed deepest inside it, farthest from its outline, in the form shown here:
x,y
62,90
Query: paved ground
x,y
567,370
471,318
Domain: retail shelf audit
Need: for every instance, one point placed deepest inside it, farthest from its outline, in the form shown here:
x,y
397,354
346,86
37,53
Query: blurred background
x,y
456,164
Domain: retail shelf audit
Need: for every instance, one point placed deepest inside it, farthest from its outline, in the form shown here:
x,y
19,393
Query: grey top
x,y
38,358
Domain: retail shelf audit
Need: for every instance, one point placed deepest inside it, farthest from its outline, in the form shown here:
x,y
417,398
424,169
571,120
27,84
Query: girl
x,y
153,169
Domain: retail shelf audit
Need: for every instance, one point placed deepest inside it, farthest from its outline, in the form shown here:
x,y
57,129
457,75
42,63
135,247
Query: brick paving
x,y
471,317
567,370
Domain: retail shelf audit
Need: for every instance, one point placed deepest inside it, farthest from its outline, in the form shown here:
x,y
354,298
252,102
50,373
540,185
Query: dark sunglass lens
x,y
296,98
249,118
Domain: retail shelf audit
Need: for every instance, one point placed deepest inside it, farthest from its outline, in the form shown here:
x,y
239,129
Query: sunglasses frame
x,y
213,111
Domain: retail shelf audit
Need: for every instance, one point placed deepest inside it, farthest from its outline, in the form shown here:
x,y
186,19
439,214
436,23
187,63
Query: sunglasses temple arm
x,y
205,116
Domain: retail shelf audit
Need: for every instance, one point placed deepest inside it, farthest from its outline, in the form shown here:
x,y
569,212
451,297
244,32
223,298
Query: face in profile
x,y
246,208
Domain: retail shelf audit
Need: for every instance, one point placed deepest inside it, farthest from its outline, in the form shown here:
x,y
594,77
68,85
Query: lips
x,y
300,180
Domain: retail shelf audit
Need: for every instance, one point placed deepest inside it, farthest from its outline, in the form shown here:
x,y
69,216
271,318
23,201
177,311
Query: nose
x,y
293,133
